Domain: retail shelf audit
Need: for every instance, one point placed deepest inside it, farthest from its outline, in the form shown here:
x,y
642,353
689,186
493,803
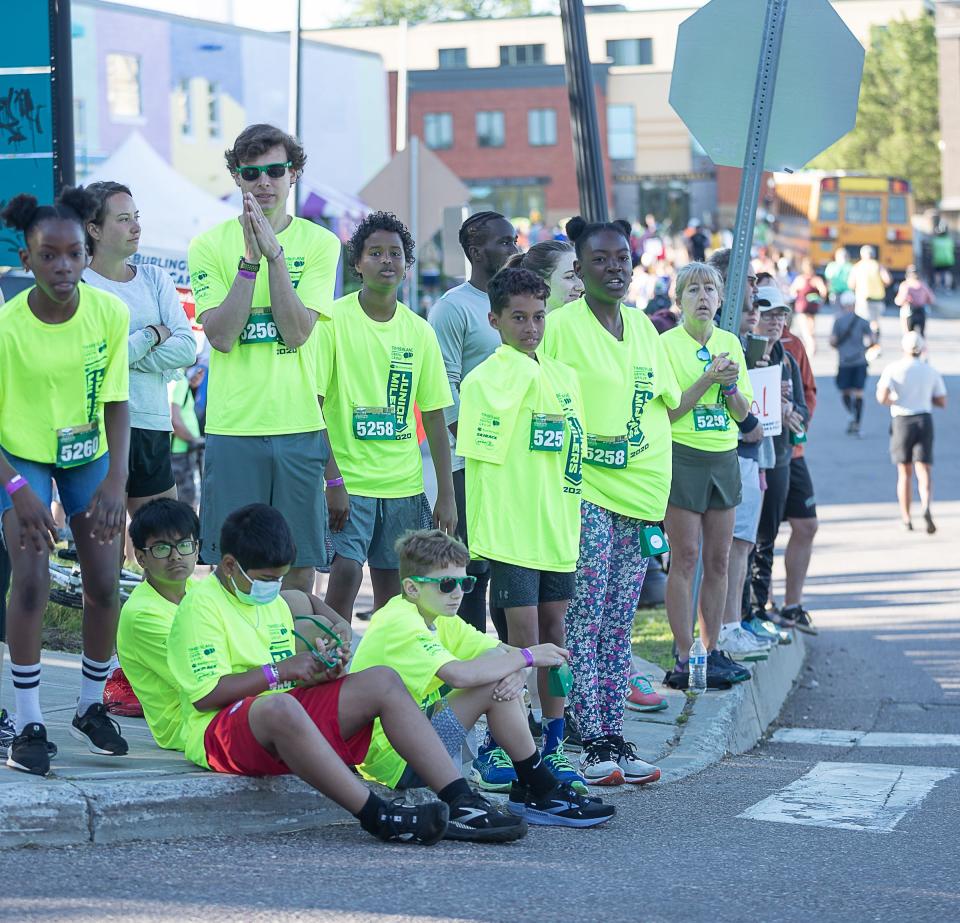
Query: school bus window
x,y
862,209
897,209
829,207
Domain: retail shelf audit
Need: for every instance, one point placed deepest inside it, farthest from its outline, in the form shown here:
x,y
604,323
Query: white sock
x,y
94,677
537,715
26,694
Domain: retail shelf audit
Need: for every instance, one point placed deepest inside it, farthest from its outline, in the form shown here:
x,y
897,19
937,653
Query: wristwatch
x,y
244,266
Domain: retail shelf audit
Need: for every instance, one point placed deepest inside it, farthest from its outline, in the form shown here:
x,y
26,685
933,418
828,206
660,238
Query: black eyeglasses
x,y
162,550
703,354
273,170
449,584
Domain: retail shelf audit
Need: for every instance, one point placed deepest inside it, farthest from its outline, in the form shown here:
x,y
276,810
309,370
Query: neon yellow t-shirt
x,y
521,433
213,635
627,386
262,387
682,351
398,637
55,376
371,374
145,621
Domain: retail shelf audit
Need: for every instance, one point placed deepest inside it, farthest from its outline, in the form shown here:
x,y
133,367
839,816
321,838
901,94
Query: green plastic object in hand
x,y
318,655
560,680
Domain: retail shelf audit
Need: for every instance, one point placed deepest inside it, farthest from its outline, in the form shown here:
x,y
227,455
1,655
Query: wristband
x,y
731,391
527,656
156,333
14,484
276,256
246,274
335,482
272,675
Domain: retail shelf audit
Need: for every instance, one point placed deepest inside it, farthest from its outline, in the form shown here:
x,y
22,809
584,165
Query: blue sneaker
x,y
563,770
757,627
493,771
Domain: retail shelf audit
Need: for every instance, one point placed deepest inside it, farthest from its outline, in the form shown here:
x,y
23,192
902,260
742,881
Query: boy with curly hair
x,y
377,359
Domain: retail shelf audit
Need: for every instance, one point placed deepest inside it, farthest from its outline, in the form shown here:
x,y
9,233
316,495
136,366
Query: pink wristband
x,y
527,656
14,484
246,274
272,675
335,482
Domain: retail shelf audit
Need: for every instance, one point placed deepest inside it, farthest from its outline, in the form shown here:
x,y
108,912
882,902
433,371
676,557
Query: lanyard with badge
x,y
710,417
77,445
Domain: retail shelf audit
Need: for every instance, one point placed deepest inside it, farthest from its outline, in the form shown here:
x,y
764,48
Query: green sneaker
x,y
493,771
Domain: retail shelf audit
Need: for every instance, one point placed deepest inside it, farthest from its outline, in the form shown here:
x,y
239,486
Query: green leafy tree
x,y
388,12
898,126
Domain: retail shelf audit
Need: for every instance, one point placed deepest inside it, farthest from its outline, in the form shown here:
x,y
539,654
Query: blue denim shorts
x,y
76,486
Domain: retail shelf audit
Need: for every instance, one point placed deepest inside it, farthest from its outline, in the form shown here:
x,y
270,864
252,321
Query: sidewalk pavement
x,y
157,794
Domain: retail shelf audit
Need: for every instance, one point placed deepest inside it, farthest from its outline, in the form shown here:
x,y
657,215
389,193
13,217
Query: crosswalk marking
x,y
829,737
850,796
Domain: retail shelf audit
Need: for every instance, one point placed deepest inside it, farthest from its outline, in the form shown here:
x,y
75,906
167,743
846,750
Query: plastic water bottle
x,y
698,668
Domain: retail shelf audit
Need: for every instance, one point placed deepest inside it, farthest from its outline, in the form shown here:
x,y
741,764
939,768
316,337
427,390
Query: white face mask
x,y
262,592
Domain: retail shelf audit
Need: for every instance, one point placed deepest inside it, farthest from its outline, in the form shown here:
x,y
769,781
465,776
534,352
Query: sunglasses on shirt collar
x,y
273,170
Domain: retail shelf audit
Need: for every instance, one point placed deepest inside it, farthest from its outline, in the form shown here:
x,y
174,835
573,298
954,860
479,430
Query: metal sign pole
x,y
63,139
774,20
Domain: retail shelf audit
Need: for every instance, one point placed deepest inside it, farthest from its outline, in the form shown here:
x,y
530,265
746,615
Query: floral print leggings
x,y
599,621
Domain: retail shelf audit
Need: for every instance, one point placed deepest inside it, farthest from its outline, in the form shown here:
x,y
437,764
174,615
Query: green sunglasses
x,y
273,170
449,584
318,655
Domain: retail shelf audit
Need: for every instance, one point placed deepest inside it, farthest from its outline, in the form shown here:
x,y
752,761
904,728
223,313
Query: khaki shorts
x,y
704,480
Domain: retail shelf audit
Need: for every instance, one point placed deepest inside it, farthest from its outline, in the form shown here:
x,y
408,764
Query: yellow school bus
x,y
816,213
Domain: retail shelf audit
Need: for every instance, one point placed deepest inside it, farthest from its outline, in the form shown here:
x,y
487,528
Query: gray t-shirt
x,y
152,299
850,331
460,318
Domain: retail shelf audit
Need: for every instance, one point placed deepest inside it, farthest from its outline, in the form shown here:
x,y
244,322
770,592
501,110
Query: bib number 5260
x,y
77,446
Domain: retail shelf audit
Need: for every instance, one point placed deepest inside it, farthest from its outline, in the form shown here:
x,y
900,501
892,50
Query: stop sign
x,y
817,84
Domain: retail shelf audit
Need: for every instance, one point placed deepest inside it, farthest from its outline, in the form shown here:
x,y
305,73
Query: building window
x,y
542,127
514,55
438,130
621,137
490,129
123,86
453,57
629,52
184,108
213,110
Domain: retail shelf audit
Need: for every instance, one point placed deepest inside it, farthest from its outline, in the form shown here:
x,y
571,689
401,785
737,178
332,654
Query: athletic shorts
x,y
911,439
916,318
851,377
748,510
231,746
704,480
452,734
285,472
512,586
76,486
872,310
151,472
373,527
801,502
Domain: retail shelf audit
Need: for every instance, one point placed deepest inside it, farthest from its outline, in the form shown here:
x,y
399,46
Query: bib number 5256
x,y
260,328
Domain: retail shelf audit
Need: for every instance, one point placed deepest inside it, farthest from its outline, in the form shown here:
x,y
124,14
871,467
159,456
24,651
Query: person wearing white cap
x,y
911,388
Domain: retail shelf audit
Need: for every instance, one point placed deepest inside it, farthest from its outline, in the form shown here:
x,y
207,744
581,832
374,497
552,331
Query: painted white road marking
x,y
830,737
850,796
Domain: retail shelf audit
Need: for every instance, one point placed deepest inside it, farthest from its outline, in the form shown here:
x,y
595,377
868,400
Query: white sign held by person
x,y
766,398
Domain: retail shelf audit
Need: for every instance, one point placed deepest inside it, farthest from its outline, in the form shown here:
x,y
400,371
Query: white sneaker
x,y
741,644
635,770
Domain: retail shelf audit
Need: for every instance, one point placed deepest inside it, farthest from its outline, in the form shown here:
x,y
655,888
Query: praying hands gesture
x,y
259,238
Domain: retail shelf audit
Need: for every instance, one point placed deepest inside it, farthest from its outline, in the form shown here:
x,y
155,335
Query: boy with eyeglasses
x,y
457,675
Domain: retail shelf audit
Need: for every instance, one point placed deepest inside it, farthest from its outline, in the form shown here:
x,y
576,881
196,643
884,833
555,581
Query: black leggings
x,y
771,515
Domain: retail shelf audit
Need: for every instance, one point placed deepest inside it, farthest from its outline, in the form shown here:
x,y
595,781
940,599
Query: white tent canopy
x,y
172,209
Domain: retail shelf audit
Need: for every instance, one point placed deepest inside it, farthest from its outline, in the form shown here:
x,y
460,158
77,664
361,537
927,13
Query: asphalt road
x,y
887,660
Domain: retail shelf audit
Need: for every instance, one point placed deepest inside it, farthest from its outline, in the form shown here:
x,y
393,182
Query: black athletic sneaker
x,y
29,752
473,818
678,677
801,619
561,807
399,822
721,663
572,741
99,731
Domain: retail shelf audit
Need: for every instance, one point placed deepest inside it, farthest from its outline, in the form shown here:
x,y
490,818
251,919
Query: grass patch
x,y
652,638
62,629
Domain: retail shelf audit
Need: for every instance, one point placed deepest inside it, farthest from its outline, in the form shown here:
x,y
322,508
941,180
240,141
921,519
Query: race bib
x,y
606,451
77,445
546,432
710,418
260,328
374,424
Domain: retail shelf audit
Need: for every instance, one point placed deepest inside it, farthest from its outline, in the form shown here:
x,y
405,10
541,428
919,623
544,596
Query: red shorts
x,y
231,746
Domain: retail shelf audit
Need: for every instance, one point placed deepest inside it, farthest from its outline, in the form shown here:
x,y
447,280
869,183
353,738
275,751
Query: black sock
x,y
858,408
454,790
369,814
847,402
535,775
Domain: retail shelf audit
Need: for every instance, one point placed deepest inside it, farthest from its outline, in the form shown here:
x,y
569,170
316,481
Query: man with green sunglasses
x,y
261,282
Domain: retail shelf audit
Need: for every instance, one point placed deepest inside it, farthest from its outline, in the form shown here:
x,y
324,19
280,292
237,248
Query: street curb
x,y
722,723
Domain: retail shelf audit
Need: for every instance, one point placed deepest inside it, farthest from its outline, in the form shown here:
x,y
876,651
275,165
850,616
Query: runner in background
x,y
160,342
63,417
553,261
914,299
809,292
869,281
850,338
261,282
837,274
460,321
